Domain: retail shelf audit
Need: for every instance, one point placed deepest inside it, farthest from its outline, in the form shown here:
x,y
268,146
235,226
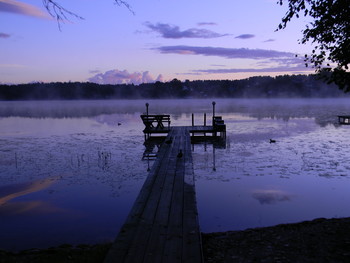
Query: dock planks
x,y
163,223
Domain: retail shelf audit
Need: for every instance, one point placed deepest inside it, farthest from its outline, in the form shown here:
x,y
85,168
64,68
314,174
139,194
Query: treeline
x,y
287,86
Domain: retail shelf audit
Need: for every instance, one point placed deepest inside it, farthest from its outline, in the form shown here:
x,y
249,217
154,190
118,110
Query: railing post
x,y
147,108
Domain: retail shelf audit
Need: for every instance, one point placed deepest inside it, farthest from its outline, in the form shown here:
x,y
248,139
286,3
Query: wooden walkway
x,y
163,223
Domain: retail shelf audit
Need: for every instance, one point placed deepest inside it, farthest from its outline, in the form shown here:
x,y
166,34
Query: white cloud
x,y
116,76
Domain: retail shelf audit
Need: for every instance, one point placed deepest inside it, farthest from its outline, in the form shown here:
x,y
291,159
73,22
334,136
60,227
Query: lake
x,y
71,170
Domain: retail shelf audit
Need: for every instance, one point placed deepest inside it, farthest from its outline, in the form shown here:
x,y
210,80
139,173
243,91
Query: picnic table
x,y
155,121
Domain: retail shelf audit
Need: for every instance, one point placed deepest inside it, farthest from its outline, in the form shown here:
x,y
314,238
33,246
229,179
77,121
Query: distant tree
x,y
175,88
330,32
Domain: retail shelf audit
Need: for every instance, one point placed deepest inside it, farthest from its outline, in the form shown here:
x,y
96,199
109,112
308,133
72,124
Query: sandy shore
x,y
319,240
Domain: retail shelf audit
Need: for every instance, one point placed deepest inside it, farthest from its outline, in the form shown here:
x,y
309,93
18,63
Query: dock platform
x,y
163,223
160,124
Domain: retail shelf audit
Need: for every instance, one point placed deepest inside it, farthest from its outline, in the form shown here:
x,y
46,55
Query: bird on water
x,y
179,155
272,141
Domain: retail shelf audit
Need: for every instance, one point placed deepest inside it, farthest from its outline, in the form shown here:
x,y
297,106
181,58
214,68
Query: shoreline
x,y
318,240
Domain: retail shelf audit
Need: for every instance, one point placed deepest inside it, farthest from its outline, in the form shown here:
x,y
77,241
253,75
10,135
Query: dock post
x,y
214,131
213,110
192,123
148,134
205,122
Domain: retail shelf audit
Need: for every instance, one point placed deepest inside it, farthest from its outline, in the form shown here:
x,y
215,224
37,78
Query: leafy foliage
x,y
330,34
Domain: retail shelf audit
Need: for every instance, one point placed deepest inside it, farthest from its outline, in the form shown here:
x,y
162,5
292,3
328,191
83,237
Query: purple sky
x,y
159,40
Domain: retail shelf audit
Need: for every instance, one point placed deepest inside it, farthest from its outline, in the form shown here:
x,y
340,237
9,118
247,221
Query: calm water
x,y
71,170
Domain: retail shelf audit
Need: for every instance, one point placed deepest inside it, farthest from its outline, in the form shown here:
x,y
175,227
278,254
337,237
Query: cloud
x,y
4,35
270,65
116,76
231,53
12,6
245,36
217,65
266,60
94,71
269,40
174,32
299,68
12,66
206,24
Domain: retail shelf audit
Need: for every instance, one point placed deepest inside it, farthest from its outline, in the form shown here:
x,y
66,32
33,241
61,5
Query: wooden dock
x,y
163,223
160,124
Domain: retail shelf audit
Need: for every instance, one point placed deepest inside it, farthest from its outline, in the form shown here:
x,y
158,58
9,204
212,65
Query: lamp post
x,y
147,108
213,110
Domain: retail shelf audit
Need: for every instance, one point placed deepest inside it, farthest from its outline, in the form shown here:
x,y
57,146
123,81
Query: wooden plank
x,y
158,237
192,250
138,248
173,246
127,233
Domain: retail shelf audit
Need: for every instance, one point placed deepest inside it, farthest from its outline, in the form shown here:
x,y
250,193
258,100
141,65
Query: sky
x,y
157,40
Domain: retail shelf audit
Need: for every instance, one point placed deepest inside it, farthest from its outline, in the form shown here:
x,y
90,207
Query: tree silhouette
x,y
62,14
329,32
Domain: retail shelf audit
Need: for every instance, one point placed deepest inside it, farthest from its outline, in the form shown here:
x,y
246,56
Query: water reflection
x,y
10,192
10,207
153,144
270,197
28,208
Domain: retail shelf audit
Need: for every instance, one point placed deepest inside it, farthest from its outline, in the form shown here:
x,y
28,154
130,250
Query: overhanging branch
x,y
61,14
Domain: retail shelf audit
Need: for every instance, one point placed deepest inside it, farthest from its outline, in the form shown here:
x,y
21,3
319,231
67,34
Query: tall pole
x,y
148,134
213,110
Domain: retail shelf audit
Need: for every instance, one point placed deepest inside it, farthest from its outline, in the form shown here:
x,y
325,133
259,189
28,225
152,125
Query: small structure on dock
x,y
155,124
344,119
160,124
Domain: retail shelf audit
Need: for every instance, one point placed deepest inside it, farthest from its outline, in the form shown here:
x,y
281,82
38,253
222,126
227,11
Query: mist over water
x,y
71,170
